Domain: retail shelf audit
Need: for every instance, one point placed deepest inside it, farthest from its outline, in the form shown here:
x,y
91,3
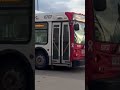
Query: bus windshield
x,y
79,34
107,22
14,26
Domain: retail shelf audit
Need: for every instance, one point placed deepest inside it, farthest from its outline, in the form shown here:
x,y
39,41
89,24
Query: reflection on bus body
x,y
107,22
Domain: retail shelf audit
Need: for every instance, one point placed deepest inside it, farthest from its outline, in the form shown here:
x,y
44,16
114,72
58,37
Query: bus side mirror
x,y
76,27
99,5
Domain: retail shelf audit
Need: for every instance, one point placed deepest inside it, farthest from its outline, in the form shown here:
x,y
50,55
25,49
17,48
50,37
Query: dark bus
x,y
17,45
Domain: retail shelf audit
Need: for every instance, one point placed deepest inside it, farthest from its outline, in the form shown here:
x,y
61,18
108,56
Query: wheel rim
x,y
13,80
40,60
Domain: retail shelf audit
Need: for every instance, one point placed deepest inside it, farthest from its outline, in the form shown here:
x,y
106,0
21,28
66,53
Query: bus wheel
x,y
13,78
41,61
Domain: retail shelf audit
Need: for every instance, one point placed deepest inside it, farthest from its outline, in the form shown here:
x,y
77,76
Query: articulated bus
x,y
102,44
17,45
59,39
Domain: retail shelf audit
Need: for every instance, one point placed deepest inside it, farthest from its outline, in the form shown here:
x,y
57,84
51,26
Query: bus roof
x,y
62,16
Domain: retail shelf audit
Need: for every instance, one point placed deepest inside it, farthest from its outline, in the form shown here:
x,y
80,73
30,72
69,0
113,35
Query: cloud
x,y
36,11
77,6
61,5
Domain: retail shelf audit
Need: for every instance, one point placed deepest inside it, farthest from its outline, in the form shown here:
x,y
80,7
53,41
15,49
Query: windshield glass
x,y
107,22
79,34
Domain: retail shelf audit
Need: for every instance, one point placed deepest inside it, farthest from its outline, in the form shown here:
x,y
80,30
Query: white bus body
x,y
57,46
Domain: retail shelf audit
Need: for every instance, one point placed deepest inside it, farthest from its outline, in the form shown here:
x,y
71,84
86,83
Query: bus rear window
x,y
14,26
41,33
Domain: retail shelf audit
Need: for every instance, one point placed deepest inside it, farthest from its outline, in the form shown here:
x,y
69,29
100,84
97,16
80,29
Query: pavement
x,y
61,78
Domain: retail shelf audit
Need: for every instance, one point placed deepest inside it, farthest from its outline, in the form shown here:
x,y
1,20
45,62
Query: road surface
x,y
60,79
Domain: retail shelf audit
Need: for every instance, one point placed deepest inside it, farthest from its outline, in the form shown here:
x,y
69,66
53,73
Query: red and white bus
x,y
17,51
59,39
103,44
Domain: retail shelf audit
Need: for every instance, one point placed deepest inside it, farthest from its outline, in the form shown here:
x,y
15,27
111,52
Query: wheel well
x,y
8,57
43,51
11,57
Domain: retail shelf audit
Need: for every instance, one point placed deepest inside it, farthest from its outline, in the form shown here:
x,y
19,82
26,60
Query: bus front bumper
x,y
77,63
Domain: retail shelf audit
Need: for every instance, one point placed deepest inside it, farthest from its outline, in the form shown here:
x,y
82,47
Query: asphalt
x,y
61,78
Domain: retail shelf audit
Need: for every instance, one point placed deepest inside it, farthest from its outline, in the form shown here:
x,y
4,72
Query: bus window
x,y
41,33
12,28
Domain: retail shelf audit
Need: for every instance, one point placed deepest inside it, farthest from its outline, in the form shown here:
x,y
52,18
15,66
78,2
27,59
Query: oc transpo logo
x,y
90,45
47,16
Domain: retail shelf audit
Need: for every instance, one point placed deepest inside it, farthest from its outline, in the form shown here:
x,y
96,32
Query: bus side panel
x,y
89,39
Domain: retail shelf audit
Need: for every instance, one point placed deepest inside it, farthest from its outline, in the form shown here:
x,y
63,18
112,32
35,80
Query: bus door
x,y
65,43
56,42
60,44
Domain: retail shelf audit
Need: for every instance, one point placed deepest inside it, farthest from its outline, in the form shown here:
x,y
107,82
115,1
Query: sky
x,y
61,6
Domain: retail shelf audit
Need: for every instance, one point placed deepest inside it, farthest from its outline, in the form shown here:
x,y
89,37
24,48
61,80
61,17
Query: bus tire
x,y
41,61
13,77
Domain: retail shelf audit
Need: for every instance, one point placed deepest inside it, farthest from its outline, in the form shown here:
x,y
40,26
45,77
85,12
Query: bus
x,y
17,52
102,44
59,39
